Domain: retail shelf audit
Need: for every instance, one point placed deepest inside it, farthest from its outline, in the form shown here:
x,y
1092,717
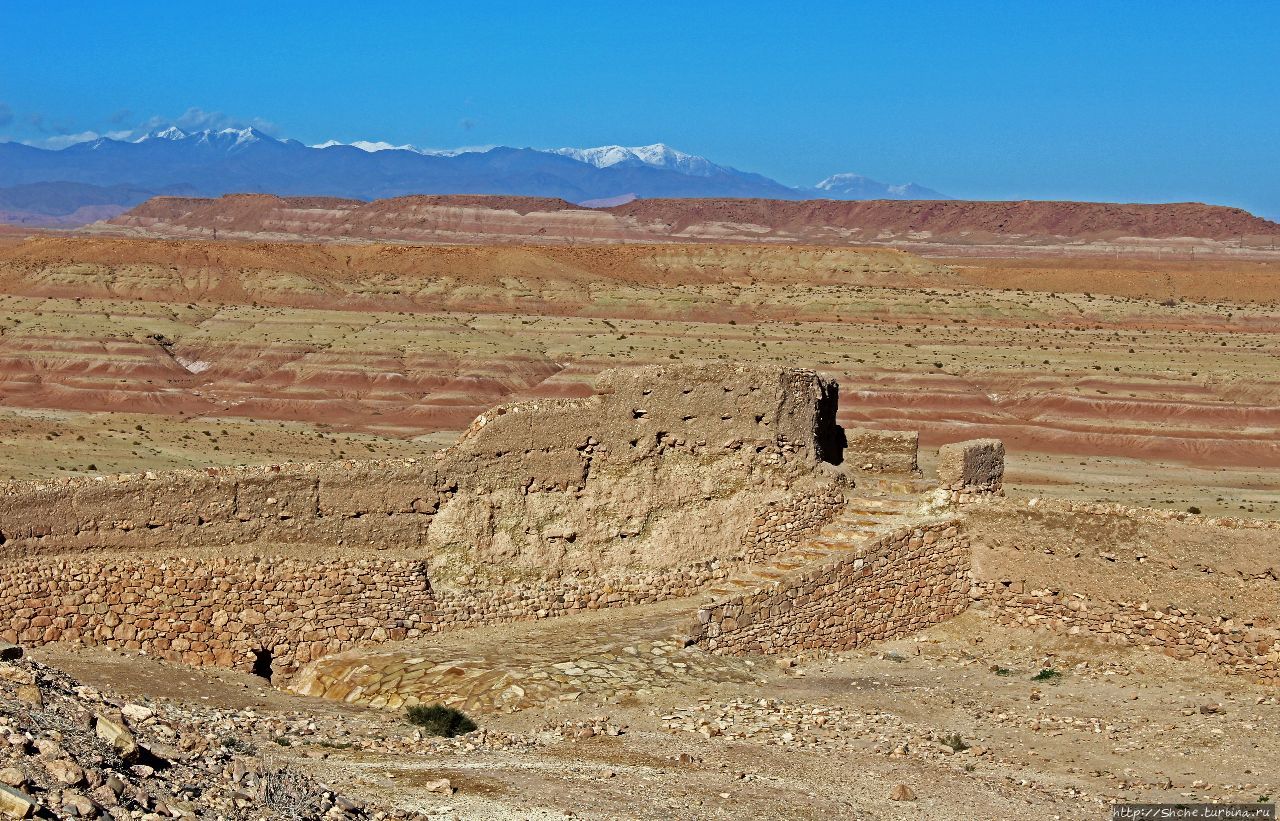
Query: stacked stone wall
x,y
1236,646
782,525
223,611
891,586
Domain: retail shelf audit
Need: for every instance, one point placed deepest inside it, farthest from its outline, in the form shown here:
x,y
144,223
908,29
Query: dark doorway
x,y
262,664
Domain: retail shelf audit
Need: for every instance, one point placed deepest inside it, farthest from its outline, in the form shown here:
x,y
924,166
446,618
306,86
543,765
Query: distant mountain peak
x,y
855,186
658,155
170,133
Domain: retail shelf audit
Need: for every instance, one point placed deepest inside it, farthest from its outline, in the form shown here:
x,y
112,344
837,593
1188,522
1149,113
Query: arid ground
x,y
1133,379
1145,379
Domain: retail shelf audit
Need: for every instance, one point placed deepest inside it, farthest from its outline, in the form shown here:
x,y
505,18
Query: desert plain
x,y
1137,373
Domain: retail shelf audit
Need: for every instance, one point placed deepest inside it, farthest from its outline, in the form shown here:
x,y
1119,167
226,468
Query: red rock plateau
x,y
944,226
385,342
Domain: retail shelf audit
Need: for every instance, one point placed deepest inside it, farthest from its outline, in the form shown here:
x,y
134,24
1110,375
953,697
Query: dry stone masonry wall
x,y
1237,647
650,489
891,586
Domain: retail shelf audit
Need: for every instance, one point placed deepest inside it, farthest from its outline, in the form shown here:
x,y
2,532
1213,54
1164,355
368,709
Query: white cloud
x,y
197,119
59,141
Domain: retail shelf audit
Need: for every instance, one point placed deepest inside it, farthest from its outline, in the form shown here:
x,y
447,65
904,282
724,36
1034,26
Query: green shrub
x,y
955,742
437,719
1047,674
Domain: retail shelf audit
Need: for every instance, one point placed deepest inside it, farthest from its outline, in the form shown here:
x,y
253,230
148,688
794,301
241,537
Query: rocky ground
x,y
965,720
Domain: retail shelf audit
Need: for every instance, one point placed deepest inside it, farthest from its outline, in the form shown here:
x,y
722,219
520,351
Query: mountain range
x,y
85,181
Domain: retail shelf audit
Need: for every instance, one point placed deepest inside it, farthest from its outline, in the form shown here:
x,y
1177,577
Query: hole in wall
x,y
262,662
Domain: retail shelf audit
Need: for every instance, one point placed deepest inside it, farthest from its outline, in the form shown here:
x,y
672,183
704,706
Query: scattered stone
x,y
29,694
65,772
440,785
117,735
902,792
16,803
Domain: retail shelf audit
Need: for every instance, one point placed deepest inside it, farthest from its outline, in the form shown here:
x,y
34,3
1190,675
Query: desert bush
x,y
1047,674
437,719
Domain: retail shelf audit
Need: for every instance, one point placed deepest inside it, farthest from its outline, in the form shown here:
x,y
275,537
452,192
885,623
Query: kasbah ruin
x,y
695,548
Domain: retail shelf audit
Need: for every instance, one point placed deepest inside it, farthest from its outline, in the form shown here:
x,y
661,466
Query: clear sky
x,y
1126,100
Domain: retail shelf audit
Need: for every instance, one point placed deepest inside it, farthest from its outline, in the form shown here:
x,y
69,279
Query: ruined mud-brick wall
x,y
1192,587
894,585
645,491
882,451
664,467
971,471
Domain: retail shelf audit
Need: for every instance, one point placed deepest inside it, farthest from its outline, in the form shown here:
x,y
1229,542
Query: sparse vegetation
x,y
1048,675
437,719
955,742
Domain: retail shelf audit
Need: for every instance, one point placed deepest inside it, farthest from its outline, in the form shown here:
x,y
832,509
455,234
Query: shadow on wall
x,y
831,439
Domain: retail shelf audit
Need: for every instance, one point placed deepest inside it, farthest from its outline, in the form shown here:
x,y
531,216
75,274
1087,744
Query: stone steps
x,y
881,508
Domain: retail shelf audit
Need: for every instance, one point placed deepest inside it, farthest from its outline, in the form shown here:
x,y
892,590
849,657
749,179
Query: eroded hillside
x,y
358,349
956,225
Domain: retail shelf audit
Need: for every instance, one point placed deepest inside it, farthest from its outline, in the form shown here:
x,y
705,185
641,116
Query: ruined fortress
x,y
726,483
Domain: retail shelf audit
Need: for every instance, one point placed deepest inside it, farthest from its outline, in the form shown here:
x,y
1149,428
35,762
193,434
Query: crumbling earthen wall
x,y
882,451
891,586
971,470
656,486
663,467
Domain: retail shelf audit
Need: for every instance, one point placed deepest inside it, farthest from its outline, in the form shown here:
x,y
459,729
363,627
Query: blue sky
x,y
1127,101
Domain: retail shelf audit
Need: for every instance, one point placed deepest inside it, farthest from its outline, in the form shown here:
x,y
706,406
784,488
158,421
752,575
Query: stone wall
x,y
223,611
1185,585
1239,647
890,586
784,524
970,470
652,489
882,451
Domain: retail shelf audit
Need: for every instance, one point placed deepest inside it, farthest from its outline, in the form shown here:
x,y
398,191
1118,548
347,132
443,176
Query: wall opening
x,y
831,439
262,661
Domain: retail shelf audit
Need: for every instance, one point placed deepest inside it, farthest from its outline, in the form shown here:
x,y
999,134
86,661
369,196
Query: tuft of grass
x,y
1193,510
1049,675
955,742
1001,671
437,719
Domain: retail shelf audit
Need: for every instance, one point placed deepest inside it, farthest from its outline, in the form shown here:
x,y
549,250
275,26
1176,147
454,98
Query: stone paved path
x,y
608,653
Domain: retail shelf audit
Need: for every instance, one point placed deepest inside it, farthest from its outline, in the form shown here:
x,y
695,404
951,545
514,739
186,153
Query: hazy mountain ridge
x,y
215,162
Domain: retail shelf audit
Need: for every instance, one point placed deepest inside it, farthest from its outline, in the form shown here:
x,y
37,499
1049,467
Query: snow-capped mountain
x,y
218,161
858,187
657,155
